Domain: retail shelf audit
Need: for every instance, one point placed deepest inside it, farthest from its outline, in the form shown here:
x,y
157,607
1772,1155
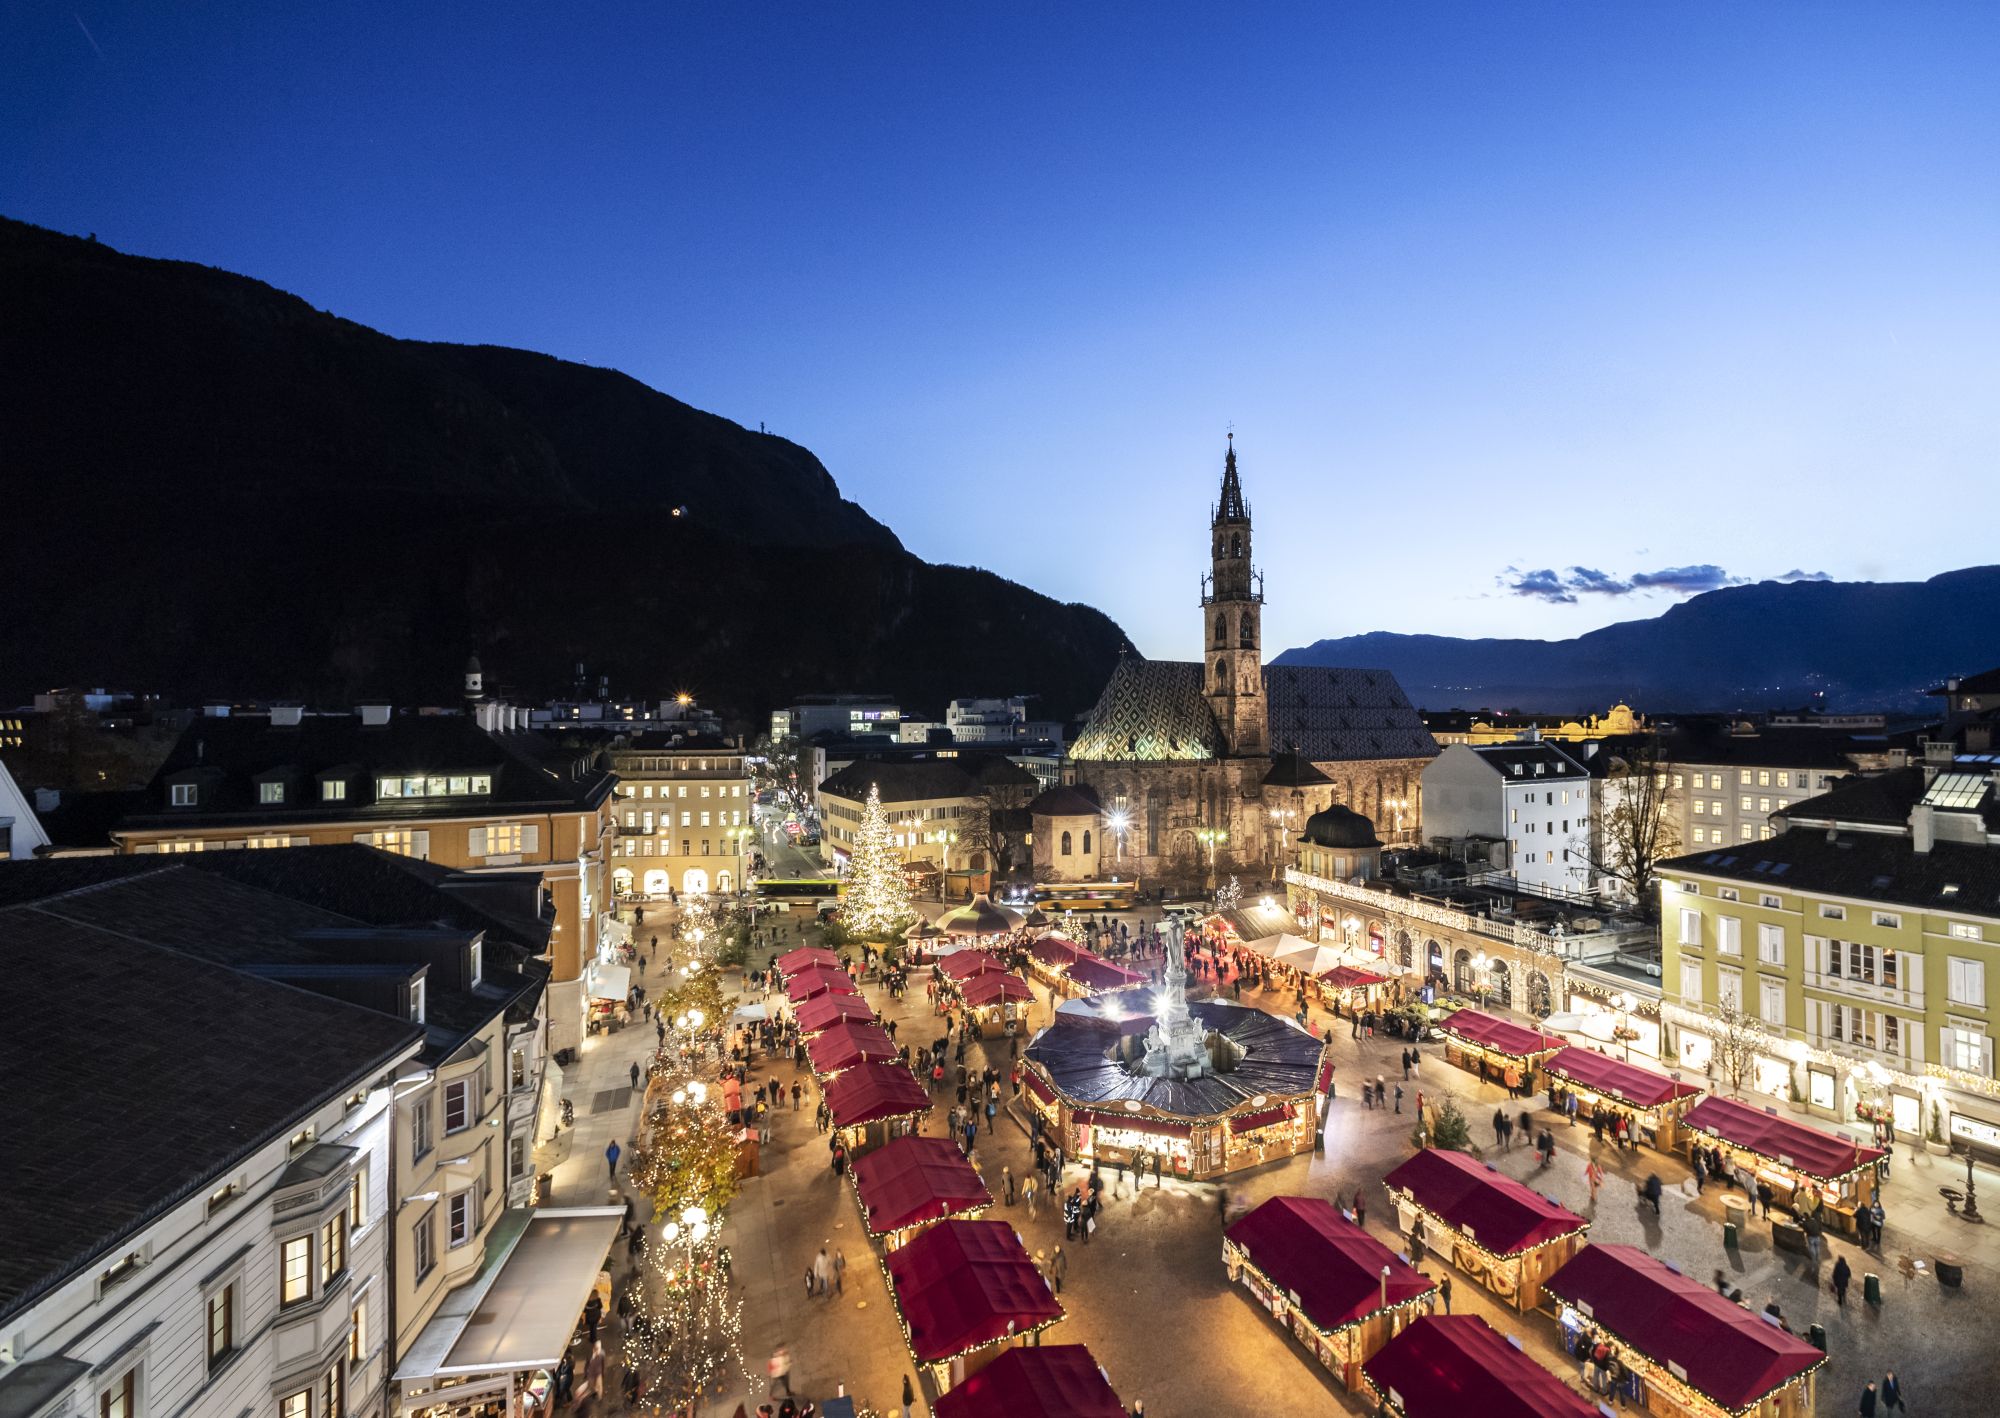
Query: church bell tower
x,y
1232,602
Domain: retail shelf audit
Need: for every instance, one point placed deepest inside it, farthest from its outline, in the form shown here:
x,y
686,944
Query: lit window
x,y
1889,919
270,793
457,1106
357,1333
464,1215
221,1324
504,840
296,1405
295,1271
1832,913
332,1391
333,790
357,1202
183,795
332,1248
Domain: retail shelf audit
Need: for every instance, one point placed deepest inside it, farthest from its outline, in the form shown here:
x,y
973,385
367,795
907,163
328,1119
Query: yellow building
x,y
684,817
1618,720
1854,950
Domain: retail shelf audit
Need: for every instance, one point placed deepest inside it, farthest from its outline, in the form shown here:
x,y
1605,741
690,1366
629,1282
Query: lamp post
x,y
1281,819
1210,837
1625,1002
1396,805
943,837
1118,822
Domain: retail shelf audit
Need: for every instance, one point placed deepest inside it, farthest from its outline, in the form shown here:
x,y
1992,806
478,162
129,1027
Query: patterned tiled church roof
x,y
1154,711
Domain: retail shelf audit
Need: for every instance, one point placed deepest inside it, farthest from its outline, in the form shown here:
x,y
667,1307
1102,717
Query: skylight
x,y
1959,790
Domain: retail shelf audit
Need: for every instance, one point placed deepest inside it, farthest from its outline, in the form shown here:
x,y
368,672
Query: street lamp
x,y
944,837
1210,837
1625,1002
1118,822
1282,818
1396,805
1479,964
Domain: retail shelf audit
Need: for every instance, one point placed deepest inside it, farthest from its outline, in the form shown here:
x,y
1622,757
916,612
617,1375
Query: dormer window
x,y
476,963
183,795
270,794
333,790
417,1001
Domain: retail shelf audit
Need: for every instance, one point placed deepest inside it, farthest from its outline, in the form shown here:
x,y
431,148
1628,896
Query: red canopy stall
x,y
1651,1100
1504,1235
967,963
825,1011
1809,1170
1691,1353
840,1047
913,1181
964,1291
1352,985
1321,1276
1052,1381
875,1101
805,957
1091,975
1448,1366
996,997
818,980
1495,1048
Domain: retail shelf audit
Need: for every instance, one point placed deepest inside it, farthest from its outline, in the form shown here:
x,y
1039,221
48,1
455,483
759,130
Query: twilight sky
x,y
1529,317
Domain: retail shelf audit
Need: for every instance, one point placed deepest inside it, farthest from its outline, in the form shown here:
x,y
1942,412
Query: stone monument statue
x,y
1176,1045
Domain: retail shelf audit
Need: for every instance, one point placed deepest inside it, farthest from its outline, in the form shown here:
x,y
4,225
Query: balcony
x,y
1873,992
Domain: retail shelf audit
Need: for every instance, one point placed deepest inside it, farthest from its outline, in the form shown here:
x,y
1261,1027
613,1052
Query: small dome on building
x,y
1340,827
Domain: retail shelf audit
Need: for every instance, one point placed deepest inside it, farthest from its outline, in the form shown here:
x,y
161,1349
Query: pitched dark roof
x,y
1517,762
1291,770
1774,748
902,780
233,755
181,1069
1330,714
1064,801
1151,711
1869,866
1885,798
1985,682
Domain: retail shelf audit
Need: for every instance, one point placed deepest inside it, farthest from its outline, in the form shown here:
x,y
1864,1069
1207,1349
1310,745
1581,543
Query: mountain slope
x,y
222,491
1861,643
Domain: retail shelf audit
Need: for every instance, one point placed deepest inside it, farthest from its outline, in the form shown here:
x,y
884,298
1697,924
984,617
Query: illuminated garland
x,y
943,1365
1855,1171
1426,1298
1405,1198
1568,1081
1659,1375
969,1213
1498,1053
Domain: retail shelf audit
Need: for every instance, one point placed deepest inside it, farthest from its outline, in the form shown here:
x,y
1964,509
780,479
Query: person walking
x,y
822,1271
1059,1268
1843,1273
1651,1191
1028,1194
1444,1292
1399,1098
635,1074
1868,1400
839,1271
780,1370
909,1397
1892,1393
1499,1128
611,1157
1007,1182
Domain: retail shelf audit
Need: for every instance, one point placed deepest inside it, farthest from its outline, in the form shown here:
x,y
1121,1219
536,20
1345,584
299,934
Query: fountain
x,y
1177,1044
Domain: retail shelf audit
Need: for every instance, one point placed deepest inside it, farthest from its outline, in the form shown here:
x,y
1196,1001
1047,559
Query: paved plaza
x,y
1147,1293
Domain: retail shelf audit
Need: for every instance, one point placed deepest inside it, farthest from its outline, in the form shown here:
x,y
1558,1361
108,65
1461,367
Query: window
x,y
1784,780
504,840
1964,930
517,1069
1774,903
183,795
333,790
1890,919
332,1248
1725,893
1763,805
1690,926
1770,945
1700,808
1086,841
1828,912
687,818
1691,888
1691,982
357,1202
1065,845
457,1106
296,1405
295,1271
464,1215
1729,988
332,1391
420,1128
1763,777
1700,833
1967,1047
478,961
1743,776
120,1399
517,1157
270,793
423,1244
1744,802
1967,982
403,844
1771,1002
221,1324
1729,935
417,1017
357,1333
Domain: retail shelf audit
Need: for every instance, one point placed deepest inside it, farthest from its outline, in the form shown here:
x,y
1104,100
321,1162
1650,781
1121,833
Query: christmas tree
x,y
877,904
1229,896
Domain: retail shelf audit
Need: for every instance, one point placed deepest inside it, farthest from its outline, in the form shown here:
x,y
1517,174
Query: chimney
x,y
1923,827
286,716
374,714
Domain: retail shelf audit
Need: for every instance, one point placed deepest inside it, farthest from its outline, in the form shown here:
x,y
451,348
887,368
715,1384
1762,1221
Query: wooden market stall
x,y
1050,957
1351,988
996,997
804,957
873,1103
1323,1278
965,1292
913,1182
1501,1233
1048,1381
839,1047
1094,975
1675,1345
1809,1170
825,1011
1652,1102
1452,1366
1496,1049
817,980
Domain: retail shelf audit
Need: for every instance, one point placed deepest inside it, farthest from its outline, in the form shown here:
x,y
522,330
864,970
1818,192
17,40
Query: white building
x,y
1523,808
21,834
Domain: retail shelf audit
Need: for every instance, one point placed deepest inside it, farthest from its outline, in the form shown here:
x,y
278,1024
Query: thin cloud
x,y
1564,588
1797,575
1596,583
1543,585
1686,580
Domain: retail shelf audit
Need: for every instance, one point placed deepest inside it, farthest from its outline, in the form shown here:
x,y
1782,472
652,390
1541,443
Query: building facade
x,y
940,809
1523,808
685,819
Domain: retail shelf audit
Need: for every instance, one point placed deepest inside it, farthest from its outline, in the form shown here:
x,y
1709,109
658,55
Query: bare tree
x,y
1738,1039
787,771
1634,828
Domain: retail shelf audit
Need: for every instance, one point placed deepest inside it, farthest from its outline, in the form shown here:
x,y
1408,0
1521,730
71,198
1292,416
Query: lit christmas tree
x,y
877,904
1229,896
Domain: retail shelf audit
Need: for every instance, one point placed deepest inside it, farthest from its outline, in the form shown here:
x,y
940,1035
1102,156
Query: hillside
x,y
1862,644
217,490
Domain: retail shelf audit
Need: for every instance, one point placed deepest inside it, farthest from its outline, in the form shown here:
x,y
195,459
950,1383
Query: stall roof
x,y
1352,977
825,1011
1442,1366
993,987
1332,1265
1094,973
1254,923
521,1308
870,1092
1054,950
1498,1213
804,957
1498,1035
1309,957
915,1179
842,1046
609,981
1614,1078
818,980
1048,1381
1733,1356
967,963
1825,1156
966,1283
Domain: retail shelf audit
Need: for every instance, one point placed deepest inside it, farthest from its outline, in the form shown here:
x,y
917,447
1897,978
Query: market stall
x,y
1651,1102
1496,1049
979,918
1050,957
1450,1366
966,1291
1049,1381
1809,1170
913,1182
1094,975
818,980
805,957
1501,1233
1342,1293
839,1047
996,997
1641,1328
825,1011
1351,988
872,1103
966,963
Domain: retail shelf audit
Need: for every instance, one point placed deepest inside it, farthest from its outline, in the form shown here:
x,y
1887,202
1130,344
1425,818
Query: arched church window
x,y
1221,630
1248,637
1065,844
1236,544
1086,841
1221,676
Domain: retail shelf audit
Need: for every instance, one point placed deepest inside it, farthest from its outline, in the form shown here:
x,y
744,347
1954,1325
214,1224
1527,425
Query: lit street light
x,y
1210,837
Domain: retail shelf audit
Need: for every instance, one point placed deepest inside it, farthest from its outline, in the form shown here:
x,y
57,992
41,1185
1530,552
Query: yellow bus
x,y
1093,896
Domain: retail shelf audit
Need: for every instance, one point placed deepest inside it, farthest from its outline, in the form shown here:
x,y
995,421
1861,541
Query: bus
x,y
1095,897
808,889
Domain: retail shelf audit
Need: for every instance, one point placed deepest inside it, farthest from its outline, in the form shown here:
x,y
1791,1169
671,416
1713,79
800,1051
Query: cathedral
x,y
1226,757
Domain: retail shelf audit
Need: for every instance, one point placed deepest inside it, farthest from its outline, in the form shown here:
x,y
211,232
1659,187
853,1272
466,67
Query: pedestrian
x,y
1444,1292
1700,1172
1764,1197
1028,1193
780,1370
1892,1393
839,1271
1007,1181
1360,1210
1399,1098
1868,1400
909,1397
635,1074
798,1091
1651,1191
1499,1127
611,1157
822,1270
1876,1216
1842,1274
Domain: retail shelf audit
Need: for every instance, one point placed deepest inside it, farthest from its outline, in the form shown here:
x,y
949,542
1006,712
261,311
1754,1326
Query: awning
x,y
994,987
870,1092
825,1011
915,1179
818,980
1040,1089
1628,1083
1133,1122
842,1046
519,1311
608,981
1452,1364
962,1284
1498,1036
1352,977
804,958
1250,1122
1824,1156
966,963
1099,975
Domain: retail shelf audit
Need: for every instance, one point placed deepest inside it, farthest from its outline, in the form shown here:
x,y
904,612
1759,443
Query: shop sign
x,y
1973,1130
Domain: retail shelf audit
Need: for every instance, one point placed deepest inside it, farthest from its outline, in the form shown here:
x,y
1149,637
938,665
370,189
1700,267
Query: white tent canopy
x,y
1311,957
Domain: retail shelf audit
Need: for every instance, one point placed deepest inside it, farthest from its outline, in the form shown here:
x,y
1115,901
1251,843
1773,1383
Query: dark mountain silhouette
x,y
214,489
1862,644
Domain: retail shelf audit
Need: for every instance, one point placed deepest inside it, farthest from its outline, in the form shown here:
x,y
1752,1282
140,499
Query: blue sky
x,y
1529,317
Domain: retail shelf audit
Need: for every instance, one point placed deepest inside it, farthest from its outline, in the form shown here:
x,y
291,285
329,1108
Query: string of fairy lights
x,y
1289,1307
1684,1391
875,905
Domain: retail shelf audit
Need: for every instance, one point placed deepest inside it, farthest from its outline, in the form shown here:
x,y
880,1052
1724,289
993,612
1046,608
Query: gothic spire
x,y
1230,507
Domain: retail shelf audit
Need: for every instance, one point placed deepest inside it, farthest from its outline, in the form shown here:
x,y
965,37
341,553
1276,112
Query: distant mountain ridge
x,y
215,489
1863,644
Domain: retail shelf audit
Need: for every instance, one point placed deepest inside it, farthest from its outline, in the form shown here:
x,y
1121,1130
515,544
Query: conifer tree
x,y
876,905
